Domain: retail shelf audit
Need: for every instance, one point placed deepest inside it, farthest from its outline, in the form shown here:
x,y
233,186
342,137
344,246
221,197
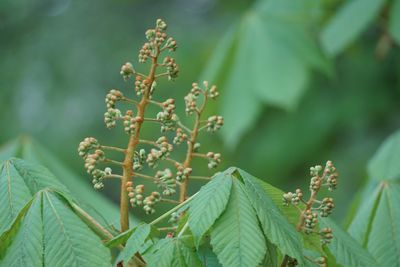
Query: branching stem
x,y
113,148
128,172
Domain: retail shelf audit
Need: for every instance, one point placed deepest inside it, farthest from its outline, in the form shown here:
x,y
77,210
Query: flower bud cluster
x,y
172,67
331,174
111,116
183,173
129,122
166,181
127,70
150,201
112,97
171,44
167,117
180,137
326,207
141,85
169,107
145,51
135,194
311,219
91,162
165,147
153,158
168,123
190,102
139,158
315,183
213,93
292,198
88,144
314,171
214,123
326,235
214,159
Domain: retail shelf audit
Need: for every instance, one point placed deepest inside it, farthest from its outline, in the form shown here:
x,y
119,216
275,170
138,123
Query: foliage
x,y
45,228
280,30
26,148
235,219
375,223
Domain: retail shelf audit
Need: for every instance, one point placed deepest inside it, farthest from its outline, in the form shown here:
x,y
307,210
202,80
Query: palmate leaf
x,y
385,163
172,252
19,181
384,236
377,224
345,249
25,248
207,256
365,214
51,234
186,256
80,187
267,41
135,242
275,226
347,23
236,237
292,214
208,205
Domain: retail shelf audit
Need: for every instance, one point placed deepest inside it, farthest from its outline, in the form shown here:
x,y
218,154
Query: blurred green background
x,y
301,81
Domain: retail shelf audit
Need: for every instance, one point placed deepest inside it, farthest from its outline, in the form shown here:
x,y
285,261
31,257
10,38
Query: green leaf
x,y
67,240
162,253
394,22
377,223
51,234
208,205
385,163
27,246
19,181
7,236
361,224
271,257
80,187
275,226
187,255
291,213
384,236
262,46
348,23
208,257
346,250
236,237
135,242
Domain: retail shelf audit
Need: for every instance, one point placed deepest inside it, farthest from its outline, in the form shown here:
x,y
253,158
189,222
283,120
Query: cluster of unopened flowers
x,y
312,208
94,154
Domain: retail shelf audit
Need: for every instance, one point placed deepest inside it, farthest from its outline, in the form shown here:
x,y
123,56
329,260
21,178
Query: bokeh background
x,y
301,81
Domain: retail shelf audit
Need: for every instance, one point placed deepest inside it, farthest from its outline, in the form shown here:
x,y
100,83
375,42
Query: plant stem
x,y
93,224
113,148
189,158
200,177
130,150
190,149
177,207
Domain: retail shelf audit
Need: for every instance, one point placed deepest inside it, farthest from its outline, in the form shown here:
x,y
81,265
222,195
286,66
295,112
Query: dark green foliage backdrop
x,y
300,83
